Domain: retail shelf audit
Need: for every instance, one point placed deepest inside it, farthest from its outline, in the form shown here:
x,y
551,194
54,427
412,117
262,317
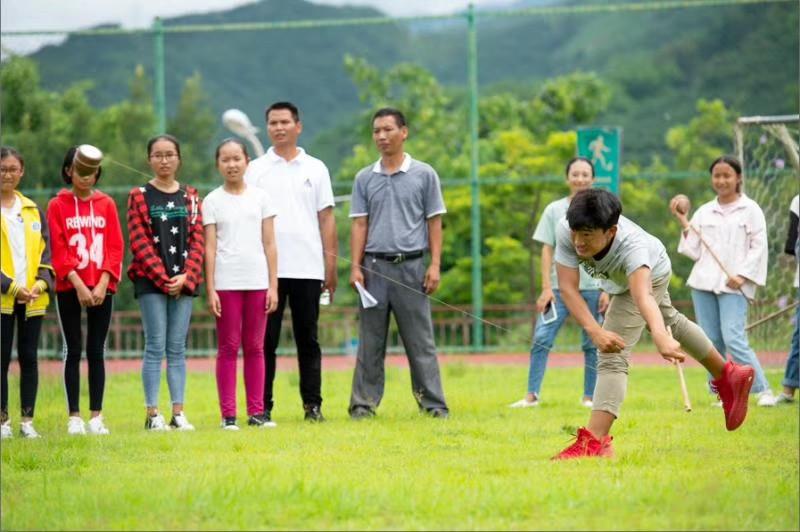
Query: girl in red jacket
x,y
87,249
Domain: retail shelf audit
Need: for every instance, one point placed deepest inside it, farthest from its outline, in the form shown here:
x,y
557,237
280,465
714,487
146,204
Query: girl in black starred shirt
x,y
166,238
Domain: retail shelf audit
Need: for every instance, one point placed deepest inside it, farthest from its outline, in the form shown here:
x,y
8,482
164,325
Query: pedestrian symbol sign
x,y
602,146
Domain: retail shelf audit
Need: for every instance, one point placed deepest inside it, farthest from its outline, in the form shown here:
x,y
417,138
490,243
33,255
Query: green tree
x,y
122,131
40,124
704,138
193,124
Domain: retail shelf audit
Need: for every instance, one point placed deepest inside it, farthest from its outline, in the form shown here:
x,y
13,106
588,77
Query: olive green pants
x,y
624,318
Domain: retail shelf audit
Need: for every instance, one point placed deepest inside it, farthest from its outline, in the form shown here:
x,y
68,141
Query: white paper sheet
x,y
367,300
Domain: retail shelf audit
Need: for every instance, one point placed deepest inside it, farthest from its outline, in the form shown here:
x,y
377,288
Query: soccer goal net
x,y
768,149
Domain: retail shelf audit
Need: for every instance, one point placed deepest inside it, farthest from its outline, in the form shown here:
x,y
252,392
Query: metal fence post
x,y
159,90
475,218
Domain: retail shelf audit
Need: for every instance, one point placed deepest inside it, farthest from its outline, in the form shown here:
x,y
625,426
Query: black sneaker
x,y
439,413
313,413
261,420
361,412
229,423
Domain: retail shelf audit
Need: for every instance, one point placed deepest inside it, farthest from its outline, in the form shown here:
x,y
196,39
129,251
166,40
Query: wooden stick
x,y
775,314
687,404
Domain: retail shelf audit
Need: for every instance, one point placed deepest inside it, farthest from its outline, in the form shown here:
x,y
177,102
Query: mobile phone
x,y
549,315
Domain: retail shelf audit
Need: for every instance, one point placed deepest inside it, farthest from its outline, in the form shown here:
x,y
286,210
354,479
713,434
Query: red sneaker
x,y
587,445
734,388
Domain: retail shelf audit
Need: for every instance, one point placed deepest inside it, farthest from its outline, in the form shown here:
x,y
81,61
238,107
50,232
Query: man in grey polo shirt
x,y
396,210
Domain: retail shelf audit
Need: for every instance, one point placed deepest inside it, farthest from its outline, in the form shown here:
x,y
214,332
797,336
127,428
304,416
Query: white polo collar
x,y
740,203
378,167
273,156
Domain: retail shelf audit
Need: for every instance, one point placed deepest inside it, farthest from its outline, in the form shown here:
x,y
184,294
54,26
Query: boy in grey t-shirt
x,y
633,267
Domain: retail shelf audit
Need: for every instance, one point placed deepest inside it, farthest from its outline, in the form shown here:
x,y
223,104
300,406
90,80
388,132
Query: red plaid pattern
x,y
146,259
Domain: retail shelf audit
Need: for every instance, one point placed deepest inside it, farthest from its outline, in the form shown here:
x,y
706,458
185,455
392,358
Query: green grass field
x,y
487,467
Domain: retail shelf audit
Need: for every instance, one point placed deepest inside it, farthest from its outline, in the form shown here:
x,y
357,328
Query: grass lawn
x,y
487,467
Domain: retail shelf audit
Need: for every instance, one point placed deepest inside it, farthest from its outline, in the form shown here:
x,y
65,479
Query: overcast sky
x,y
80,14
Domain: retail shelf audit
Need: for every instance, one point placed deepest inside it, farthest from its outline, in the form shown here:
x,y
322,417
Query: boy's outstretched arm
x,y
569,284
640,287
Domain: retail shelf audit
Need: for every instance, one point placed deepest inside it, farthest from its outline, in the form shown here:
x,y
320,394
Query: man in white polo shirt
x,y
299,186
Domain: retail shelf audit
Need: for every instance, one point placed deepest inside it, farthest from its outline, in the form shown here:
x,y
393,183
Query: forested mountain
x,y
247,69
658,63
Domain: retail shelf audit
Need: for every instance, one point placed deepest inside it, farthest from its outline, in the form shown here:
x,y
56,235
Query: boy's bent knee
x,y
691,337
612,363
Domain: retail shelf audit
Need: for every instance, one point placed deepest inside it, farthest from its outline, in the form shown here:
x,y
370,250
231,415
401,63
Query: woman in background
x,y
579,175
734,227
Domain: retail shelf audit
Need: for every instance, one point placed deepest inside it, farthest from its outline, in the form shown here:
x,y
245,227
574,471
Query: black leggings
x,y
98,320
27,348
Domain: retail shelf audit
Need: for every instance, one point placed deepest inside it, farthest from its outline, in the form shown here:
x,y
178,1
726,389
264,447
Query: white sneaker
x,y
76,426
784,398
96,426
156,423
5,430
524,403
766,398
27,431
717,403
587,403
179,422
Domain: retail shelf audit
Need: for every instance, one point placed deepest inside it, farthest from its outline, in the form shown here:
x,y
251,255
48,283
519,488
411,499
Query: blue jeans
x,y
723,318
791,377
166,323
545,334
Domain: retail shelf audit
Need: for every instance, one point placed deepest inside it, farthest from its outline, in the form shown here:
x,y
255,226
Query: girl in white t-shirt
x,y
241,276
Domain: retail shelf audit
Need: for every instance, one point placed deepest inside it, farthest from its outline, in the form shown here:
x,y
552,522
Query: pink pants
x,y
243,322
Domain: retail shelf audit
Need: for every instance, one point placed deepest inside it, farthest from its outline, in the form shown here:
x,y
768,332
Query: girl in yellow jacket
x,y
26,277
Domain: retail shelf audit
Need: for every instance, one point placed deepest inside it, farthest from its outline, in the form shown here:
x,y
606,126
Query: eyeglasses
x,y
163,156
10,170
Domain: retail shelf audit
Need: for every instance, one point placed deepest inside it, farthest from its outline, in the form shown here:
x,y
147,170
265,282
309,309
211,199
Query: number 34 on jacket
x,y
85,237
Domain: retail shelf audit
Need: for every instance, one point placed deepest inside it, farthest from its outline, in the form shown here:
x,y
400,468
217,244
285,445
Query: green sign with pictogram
x,y
602,146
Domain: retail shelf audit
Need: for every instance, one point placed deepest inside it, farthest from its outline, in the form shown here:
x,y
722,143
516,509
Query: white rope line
x,y
429,296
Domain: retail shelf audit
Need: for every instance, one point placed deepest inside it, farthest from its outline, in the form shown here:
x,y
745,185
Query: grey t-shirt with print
x,y
632,248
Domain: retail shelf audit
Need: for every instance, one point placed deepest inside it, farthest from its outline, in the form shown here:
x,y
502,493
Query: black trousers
x,y
303,298
28,331
98,320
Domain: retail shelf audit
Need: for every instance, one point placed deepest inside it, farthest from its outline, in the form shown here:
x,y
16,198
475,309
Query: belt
x,y
396,258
